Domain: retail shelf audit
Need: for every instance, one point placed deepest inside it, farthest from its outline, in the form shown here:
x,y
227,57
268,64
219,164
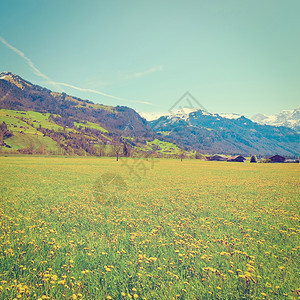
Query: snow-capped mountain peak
x,y
5,74
230,116
15,79
287,118
182,113
150,116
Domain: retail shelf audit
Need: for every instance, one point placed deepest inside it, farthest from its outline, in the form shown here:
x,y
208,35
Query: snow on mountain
x,y
182,113
5,75
150,116
230,116
15,79
287,118
226,133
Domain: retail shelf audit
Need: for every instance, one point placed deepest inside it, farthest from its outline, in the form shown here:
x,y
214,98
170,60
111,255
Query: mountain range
x,y
193,130
287,118
228,134
19,94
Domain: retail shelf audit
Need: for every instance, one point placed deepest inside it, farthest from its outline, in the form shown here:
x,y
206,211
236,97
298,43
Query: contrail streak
x,y
97,92
28,60
49,81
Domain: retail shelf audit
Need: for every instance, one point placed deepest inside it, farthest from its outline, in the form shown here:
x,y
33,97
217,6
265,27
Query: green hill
x,y
36,120
35,132
24,126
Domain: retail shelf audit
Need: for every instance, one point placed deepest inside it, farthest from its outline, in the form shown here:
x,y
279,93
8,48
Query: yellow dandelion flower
x,y
268,285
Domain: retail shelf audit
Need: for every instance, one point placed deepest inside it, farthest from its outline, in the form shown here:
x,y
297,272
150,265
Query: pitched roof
x,y
277,156
236,156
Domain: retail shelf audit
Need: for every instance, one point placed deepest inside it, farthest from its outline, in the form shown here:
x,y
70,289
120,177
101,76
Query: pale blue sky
x,y
237,56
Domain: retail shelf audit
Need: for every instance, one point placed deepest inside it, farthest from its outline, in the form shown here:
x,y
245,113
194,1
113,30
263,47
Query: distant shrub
x,y
266,160
253,159
199,155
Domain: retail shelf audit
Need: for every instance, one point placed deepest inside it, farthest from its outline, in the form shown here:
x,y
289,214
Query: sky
x,y
233,56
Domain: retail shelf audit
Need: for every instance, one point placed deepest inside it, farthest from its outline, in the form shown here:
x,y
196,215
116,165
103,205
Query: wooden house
x,y
277,159
292,161
217,157
238,158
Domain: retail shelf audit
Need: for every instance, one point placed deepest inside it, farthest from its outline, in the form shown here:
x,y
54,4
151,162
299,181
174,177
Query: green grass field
x,y
91,125
173,230
25,135
164,147
12,119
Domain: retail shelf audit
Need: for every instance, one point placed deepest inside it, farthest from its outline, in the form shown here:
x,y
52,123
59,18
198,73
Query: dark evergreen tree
x,y
253,159
125,150
4,132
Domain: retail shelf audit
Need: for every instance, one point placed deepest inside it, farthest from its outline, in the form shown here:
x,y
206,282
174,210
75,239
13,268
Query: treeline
x,y
4,133
86,141
73,142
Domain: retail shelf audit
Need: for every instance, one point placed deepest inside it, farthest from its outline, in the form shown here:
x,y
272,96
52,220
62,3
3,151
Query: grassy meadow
x,y
174,230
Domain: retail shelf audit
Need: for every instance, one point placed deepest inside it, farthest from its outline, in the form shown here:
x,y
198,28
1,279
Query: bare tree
x,y
125,149
117,147
101,149
182,154
1,137
42,148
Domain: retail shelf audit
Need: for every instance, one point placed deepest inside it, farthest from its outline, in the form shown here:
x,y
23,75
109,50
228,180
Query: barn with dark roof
x,y
218,157
277,159
237,158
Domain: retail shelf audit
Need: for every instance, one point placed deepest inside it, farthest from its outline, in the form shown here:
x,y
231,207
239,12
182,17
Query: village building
x,y
277,159
291,161
237,158
217,157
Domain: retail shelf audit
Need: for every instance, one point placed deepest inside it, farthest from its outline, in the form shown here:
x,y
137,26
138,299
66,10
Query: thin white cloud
x,y
28,60
142,73
97,92
49,81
